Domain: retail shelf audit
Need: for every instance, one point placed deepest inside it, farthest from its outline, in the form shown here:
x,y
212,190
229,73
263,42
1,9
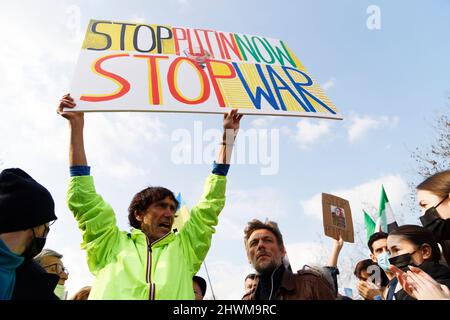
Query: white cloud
x,y
245,205
330,83
262,122
122,169
256,203
36,62
309,132
302,253
74,260
368,192
137,19
227,279
287,131
118,138
229,229
360,125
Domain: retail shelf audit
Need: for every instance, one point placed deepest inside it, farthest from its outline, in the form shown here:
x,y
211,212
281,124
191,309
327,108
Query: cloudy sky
x,y
388,83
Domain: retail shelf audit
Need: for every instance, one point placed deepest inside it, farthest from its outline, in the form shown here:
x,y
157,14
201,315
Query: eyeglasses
x,y
47,228
57,268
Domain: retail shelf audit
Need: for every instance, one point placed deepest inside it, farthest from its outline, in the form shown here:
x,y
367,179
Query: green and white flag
x,y
370,224
385,218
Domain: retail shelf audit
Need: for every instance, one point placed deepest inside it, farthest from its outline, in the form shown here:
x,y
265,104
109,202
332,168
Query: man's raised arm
x,y
77,155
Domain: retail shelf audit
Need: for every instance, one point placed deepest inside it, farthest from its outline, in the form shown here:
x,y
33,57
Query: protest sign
x,y
147,67
337,218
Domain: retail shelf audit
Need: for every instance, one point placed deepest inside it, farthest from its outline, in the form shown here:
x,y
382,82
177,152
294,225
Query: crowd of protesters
x,y
154,262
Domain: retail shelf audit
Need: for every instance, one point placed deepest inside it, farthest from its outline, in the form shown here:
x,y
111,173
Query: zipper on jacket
x,y
271,286
148,276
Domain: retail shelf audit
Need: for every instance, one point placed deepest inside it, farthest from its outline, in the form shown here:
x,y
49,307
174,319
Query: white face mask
x,y
60,291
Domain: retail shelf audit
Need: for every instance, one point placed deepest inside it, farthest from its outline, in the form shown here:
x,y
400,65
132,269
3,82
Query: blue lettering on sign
x,y
256,97
303,92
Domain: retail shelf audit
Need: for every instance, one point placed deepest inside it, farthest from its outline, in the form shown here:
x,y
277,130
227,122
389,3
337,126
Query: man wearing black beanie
x,y
26,211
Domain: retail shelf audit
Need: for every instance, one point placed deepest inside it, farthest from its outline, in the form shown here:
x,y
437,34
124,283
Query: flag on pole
x,y
378,226
370,225
182,215
385,220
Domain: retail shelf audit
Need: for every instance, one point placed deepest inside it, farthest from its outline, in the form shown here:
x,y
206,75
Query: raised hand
x,y
402,278
77,154
424,287
67,102
368,290
231,120
231,123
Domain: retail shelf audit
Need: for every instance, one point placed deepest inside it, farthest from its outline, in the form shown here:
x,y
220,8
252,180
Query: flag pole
x,y
209,280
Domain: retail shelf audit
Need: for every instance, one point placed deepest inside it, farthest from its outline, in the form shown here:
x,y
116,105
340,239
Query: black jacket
x,y
437,271
34,283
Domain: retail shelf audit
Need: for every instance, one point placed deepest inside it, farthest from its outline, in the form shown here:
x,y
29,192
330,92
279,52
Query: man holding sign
x,y
151,262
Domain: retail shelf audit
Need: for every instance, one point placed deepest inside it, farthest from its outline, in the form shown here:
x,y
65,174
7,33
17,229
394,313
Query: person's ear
x,y
247,250
248,255
373,258
427,252
139,216
283,251
29,235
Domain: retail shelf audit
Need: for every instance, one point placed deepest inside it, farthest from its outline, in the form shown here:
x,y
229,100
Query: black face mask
x,y
403,261
36,246
436,226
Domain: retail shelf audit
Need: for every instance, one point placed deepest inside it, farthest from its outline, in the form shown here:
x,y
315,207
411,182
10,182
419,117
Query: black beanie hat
x,y
24,203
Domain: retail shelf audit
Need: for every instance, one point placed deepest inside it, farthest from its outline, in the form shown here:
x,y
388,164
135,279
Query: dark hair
x,y
438,184
375,237
251,276
419,236
144,199
271,226
362,266
201,283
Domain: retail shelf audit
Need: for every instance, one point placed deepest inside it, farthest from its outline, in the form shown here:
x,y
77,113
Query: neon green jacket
x,y
124,265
